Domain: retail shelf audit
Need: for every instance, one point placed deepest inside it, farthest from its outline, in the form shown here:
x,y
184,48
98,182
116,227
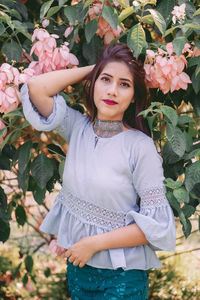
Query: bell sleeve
x,y
62,119
155,217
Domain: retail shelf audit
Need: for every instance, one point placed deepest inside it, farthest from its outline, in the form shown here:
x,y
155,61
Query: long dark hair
x,y
121,52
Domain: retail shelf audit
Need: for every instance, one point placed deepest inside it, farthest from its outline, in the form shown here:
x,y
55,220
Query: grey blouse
x,y
102,183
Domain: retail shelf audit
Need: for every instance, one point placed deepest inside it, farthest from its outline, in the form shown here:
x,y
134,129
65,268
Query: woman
x,y
111,164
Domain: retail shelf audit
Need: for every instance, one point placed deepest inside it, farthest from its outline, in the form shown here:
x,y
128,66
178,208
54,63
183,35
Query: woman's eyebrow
x,y
125,79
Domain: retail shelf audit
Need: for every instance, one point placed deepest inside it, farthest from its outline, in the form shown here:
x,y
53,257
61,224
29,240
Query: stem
x,y
179,253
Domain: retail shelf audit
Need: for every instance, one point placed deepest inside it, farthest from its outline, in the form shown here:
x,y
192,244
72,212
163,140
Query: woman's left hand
x,y
82,251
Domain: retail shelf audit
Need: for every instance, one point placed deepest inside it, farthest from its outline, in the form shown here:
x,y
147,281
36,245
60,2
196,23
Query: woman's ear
x,y
133,100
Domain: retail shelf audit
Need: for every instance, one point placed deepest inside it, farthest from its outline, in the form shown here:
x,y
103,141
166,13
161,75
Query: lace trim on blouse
x,y
154,197
91,213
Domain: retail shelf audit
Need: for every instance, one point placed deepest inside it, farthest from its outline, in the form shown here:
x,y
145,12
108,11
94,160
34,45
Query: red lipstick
x,y
110,102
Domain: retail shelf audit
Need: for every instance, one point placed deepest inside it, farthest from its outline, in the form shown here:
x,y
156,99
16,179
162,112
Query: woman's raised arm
x,y
43,87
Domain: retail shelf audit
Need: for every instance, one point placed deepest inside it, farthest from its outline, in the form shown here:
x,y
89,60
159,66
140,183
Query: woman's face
x,y
113,91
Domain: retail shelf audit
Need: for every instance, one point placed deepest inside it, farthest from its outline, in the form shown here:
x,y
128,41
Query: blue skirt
x,y
90,283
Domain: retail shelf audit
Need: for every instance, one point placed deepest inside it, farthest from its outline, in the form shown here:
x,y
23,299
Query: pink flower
x,y
178,13
164,70
68,31
45,23
196,52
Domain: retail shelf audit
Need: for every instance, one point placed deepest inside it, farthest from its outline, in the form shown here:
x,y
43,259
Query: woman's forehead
x,y
117,69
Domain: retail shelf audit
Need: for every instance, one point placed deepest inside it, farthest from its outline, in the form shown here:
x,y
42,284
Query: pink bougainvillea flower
x,y
45,23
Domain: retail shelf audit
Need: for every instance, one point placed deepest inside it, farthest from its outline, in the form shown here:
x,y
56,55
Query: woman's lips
x,y
110,102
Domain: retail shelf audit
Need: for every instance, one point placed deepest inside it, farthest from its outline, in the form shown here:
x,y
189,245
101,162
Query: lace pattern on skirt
x,y
91,213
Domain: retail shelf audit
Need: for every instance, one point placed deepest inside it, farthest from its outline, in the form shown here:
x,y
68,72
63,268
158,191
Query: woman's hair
x,y
120,52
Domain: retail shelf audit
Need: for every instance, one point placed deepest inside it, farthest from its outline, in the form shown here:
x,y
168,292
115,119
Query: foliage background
x,y
31,162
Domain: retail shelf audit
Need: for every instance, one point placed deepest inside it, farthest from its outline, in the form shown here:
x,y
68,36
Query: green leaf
x,y
20,215
23,178
12,50
110,15
39,194
165,7
170,113
197,71
123,3
52,11
61,168
15,13
193,61
136,39
28,263
173,202
3,199
192,154
24,155
178,44
196,82
47,272
169,182
189,141
25,279
44,8
42,170
71,12
181,195
54,149
90,29
176,140
126,13
148,19
4,231
2,28
188,210
2,131
187,227
184,119
192,175
193,26
14,113
4,162
158,20
61,2
197,12
90,50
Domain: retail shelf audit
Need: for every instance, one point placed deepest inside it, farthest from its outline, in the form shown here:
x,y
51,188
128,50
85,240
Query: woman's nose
x,y
112,89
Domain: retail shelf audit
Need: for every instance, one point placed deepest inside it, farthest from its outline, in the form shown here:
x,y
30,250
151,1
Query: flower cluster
x,y
50,57
164,69
104,29
10,78
178,13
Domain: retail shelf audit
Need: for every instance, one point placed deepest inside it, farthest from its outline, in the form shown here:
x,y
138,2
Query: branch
x,y
179,253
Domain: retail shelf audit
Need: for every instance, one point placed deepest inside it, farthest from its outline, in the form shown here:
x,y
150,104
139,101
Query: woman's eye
x,y
125,84
105,78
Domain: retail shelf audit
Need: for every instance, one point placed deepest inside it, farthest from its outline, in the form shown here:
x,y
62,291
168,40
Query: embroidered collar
x,y
106,129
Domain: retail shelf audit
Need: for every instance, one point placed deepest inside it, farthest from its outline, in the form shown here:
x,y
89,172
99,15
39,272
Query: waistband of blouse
x,y
91,213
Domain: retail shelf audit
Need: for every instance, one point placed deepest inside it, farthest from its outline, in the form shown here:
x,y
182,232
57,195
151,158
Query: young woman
x,y
111,213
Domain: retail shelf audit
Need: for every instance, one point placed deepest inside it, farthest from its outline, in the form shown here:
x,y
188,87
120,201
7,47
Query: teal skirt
x,y
90,283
